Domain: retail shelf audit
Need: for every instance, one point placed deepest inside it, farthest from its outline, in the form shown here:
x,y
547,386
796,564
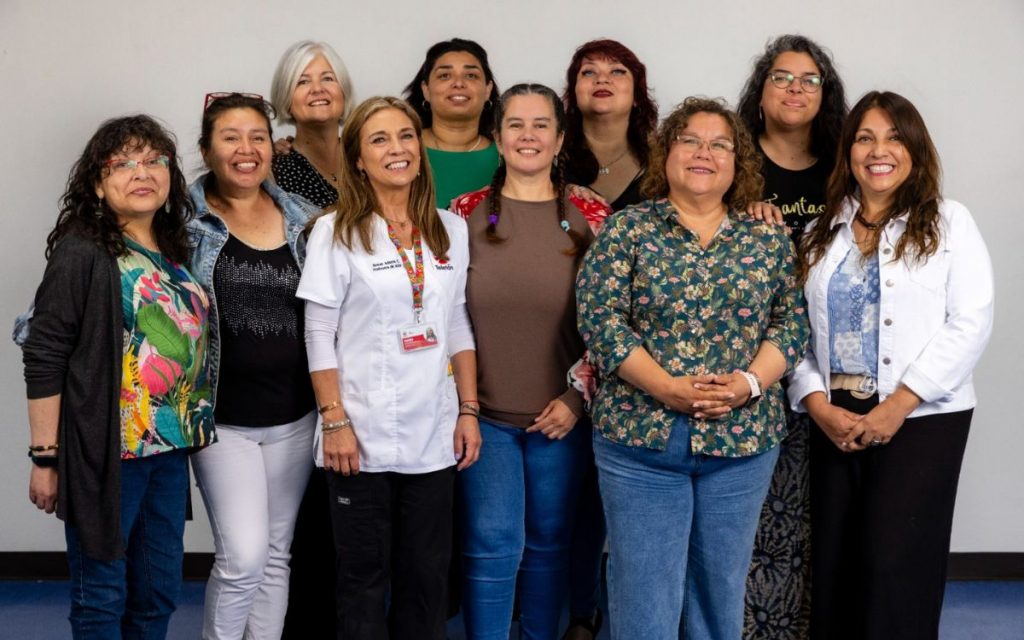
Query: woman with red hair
x,y
610,117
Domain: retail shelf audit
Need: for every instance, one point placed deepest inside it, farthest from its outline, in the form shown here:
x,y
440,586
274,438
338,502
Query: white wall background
x,y
67,65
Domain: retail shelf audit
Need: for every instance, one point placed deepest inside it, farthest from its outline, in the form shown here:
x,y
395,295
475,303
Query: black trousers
x,y
392,533
311,584
880,527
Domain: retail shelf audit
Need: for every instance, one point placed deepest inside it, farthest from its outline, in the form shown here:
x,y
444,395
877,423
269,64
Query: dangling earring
x,y
99,207
167,206
760,113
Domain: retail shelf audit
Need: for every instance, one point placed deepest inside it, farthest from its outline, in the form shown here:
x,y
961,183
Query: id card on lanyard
x,y
419,335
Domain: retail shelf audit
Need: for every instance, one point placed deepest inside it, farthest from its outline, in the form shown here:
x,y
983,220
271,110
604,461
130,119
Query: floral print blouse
x,y
165,388
646,282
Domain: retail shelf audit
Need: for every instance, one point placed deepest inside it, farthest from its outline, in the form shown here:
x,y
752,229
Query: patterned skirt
x,y
778,599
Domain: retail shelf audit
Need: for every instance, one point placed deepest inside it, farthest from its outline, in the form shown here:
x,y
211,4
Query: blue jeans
x,y
680,531
134,596
519,503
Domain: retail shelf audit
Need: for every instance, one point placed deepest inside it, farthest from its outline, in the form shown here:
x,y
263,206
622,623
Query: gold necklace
x,y
400,223
439,146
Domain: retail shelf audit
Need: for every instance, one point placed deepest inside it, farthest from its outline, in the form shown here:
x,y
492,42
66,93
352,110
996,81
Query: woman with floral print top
x,y
692,314
117,376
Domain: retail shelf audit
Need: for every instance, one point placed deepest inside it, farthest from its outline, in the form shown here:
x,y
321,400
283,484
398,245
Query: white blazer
x,y
403,406
935,317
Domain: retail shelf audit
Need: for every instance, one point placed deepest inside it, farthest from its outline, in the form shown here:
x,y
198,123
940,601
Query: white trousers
x,y
252,480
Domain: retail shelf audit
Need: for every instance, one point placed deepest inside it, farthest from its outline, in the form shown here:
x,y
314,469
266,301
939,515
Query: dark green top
x,y
647,282
459,172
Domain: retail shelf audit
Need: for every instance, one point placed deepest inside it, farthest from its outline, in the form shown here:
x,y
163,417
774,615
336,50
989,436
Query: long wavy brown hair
x,y
357,200
746,185
918,196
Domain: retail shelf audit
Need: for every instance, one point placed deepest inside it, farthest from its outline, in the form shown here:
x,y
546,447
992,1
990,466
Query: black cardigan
x,y
75,348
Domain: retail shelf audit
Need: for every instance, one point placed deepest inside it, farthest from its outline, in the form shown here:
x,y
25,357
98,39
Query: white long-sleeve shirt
x,y
935,317
403,405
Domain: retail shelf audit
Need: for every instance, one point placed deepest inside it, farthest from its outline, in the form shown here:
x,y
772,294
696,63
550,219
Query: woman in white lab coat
x,y
393,365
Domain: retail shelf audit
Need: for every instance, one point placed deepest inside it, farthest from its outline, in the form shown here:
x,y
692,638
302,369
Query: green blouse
x,y
459,172
646,282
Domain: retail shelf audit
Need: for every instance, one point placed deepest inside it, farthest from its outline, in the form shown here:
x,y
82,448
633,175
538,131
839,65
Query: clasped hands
x,y
706,396
851,431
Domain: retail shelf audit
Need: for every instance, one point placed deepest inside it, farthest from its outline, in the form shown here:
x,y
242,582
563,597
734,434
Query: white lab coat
x,y
403,406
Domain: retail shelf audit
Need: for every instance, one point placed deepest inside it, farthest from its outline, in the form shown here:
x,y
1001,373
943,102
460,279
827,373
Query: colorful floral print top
x,y
165,390
646,282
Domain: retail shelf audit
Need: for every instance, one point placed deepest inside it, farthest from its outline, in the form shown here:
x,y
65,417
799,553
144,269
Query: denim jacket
x,y
208,234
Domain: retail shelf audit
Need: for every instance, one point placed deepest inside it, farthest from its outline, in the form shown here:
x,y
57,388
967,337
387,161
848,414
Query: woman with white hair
x,y
311,90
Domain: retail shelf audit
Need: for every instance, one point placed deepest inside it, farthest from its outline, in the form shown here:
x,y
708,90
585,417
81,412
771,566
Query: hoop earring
x,y
426,104
488,104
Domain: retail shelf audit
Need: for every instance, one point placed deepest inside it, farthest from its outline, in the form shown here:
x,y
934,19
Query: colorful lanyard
x,y
415,273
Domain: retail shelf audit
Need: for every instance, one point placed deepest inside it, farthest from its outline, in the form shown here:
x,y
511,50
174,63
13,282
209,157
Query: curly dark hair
x,y
746,185
643,118
81,212
557,166
828,123
413,92
918,196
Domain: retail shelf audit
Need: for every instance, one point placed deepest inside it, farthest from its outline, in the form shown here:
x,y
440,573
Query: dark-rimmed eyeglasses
x,y
783,79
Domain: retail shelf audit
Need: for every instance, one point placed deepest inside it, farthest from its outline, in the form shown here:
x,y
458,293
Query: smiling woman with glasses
x,y
117,377
692,314
793,103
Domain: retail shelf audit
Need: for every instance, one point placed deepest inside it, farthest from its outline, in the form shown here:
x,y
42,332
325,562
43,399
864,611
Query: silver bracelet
x,y
330,427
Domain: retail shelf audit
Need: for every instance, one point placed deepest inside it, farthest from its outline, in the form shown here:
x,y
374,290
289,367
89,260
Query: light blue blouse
x,y
853,306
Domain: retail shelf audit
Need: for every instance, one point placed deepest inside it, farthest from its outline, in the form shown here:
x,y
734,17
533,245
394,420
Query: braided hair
x,y
557,167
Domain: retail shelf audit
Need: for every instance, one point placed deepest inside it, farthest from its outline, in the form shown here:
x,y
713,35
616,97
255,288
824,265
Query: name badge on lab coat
x,y
417,337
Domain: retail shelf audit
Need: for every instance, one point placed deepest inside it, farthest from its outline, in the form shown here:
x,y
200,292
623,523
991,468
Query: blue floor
x,y
38,611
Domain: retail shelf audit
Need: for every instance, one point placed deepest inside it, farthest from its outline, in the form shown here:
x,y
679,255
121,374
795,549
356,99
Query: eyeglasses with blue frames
x,y
718,147
783,79
127,165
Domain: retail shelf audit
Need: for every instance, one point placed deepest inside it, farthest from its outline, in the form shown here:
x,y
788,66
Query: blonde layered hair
x,y
357,201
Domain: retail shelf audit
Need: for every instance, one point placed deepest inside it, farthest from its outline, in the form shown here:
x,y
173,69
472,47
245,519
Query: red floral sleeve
x,y
467,202
594,211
